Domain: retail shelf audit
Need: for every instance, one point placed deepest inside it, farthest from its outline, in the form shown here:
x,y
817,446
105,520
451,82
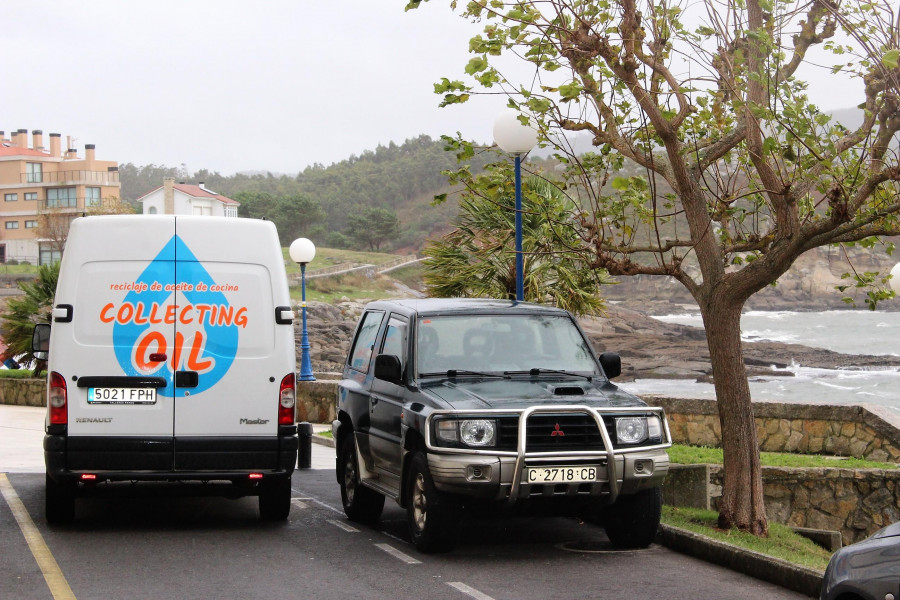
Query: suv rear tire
x,y
59,502
632,522
361,504
431,515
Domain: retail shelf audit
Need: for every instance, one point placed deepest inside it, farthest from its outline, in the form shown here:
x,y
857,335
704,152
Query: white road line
x,y
397,554
342,525
468,591
53,575
298,502
320,503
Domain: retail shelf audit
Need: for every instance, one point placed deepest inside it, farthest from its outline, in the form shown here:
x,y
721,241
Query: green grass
x,y
692,455
782,542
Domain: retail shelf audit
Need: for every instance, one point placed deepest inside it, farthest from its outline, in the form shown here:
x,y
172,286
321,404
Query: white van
x,y
171,358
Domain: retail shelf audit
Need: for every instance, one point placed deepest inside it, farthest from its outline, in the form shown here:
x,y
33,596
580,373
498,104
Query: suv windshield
x,y
498,343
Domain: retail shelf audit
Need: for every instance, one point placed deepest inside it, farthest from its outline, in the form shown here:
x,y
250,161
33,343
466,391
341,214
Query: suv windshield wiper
x,y
452,373
534,372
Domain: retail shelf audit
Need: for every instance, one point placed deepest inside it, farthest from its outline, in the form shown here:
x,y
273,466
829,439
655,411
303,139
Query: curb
x,y
782,573
322,441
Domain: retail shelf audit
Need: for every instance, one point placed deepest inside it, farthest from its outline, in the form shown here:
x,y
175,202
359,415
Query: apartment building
x,y
41,183
187,199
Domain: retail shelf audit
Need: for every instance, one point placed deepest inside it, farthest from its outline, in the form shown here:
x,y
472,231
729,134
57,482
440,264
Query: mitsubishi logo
x,y
557,432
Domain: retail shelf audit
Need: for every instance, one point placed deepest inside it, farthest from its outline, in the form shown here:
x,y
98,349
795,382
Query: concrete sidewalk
x,y
22,441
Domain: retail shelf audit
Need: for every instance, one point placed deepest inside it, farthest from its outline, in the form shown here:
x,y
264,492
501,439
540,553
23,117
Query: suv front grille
x,y
548,433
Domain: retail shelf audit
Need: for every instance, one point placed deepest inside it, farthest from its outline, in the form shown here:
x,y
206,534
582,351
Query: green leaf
x,y
476,65
891,58
620,183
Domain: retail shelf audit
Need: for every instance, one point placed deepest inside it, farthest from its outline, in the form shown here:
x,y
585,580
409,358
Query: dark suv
x,y
450,405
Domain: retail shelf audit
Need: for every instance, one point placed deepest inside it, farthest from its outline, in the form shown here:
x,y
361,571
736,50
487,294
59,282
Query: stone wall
x,y
862,431
23,392
316,401
854,502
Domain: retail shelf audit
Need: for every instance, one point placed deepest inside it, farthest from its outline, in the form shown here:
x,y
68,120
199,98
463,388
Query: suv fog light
x,y
631,430
477,432
643,467
478,473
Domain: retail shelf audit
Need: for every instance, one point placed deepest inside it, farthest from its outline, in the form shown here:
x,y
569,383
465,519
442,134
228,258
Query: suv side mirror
x,y
387,367
40,338
612,364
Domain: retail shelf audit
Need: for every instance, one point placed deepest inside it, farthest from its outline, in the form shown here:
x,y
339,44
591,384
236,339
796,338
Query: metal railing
x,y
71,177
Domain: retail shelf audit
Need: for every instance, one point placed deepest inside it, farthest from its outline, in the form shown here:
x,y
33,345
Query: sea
x,y
844,331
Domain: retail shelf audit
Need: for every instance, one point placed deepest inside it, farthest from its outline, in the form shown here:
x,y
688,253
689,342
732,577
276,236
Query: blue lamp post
x,y
517,139
302,251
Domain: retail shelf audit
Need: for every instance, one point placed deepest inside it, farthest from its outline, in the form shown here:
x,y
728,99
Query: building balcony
x,y
109,178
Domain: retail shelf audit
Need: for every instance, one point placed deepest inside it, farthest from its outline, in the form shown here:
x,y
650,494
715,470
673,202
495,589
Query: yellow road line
x,y
56,581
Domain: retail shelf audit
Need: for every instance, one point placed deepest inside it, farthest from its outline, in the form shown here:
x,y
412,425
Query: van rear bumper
x,y
169,459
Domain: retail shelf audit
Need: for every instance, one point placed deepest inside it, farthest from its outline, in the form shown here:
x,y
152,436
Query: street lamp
x,y
895,279
302,251
517,139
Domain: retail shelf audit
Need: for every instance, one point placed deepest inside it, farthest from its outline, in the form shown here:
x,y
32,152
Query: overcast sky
x,y
232,85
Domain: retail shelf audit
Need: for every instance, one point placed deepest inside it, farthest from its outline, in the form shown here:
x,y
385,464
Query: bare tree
x,y
736,171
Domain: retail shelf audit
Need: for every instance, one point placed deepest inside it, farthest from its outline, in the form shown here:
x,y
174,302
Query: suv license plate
x,y
107,395
577,474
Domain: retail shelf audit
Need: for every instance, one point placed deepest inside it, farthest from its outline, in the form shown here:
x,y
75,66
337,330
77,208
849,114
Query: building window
x,y
12,224
91,196
30,196
31,224
151,210
10,197
48,255
35,172
61,198
231,211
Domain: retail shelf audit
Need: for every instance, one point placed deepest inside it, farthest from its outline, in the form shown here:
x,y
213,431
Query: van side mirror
x,y
40,341
40,338
387,367
612,364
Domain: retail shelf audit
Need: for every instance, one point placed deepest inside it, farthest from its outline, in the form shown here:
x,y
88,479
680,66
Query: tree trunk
x,y
742,504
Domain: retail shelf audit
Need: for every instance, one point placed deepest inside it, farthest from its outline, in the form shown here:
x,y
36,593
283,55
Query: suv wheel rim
x,y
419,502
349,480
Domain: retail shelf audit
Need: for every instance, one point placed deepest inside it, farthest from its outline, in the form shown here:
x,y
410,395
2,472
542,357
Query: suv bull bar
x,y
521,454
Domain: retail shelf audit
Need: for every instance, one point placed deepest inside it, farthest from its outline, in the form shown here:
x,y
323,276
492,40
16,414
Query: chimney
x,y
38,139
2,136
22,139
89,152
55,145
169,195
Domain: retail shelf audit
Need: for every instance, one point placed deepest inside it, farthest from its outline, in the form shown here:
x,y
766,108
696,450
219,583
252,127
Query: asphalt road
x,y
173,547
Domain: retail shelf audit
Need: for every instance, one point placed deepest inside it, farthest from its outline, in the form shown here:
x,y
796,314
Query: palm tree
x,y
23,312
477,258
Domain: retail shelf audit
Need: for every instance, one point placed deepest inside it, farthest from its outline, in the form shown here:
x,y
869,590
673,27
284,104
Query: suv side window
x,y
364,344
395,339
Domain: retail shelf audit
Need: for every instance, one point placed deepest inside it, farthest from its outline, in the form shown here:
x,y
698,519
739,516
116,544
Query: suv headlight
x,y
634,430
476,433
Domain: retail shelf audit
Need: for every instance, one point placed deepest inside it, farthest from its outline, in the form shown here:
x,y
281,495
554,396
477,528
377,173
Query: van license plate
x,y
107,395
579,474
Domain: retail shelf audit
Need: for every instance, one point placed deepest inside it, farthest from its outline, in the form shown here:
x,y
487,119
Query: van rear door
x,y
111,337
233,343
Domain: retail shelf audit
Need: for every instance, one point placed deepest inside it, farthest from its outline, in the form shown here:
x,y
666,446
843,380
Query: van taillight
x,y
57,399
287,401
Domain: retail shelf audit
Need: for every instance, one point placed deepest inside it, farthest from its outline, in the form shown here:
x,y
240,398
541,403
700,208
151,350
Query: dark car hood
x,y
517,394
